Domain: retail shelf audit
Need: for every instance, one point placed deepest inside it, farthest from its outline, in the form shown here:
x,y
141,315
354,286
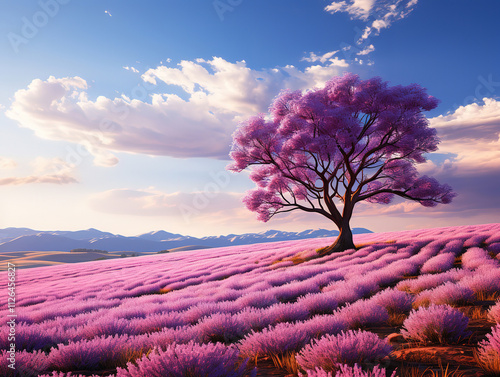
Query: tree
x,y
325,150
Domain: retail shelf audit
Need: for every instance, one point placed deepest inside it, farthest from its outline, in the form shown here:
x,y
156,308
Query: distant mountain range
x,y
25,239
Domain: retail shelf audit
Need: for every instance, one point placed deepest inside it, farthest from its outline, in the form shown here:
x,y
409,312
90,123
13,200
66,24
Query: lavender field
x,y
270,309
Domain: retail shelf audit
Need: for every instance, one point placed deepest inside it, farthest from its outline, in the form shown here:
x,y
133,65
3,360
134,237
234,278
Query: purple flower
x,y
91,354
205,360
356,371
348,371
319,303
486,281
351,347
438,263
275,340
69,374
449,293
364,313
287,312
476,257
221,327
27,364
489,351
436,324
321,325
494,312
257,299
394,300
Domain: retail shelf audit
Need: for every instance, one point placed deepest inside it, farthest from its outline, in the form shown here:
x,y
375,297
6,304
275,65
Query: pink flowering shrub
x,y
94,354
438,263
27,364
394,300
346,291
257,299
287,312
69,374
273,341
351,347
484,283
494,312
257,319
476,257
494,248
488,353
197,312
319,303
221,327
364,313
160,339
430,281
356,371
157,321
454,246
107,327
436,324
34,337
449,293
348,371
321,325
475,241
205,360
318,372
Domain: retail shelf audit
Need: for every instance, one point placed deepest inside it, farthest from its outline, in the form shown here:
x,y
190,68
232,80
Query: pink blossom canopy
x,y
351,141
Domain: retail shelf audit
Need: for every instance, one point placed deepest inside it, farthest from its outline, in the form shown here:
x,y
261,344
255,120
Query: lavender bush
x,y
494,312
206,360
69,374
484,283
27,364
348,371
394,300
357,371
449,293
351,347
321,325
439,263
221,327
364,313
276,340
436,324
488,353
319,303
494,248
95,354
476,257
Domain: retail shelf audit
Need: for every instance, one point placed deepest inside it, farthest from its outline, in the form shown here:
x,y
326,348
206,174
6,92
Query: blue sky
x,y
118,115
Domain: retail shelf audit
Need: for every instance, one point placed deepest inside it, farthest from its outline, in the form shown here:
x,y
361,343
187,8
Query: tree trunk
x,y
343,242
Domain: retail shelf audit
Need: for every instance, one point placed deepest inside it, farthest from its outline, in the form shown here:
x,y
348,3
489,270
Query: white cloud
x,y
382,12
472,135
7,163
358,9
366,50
219,95
326,58
135,70
55,171
313,58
